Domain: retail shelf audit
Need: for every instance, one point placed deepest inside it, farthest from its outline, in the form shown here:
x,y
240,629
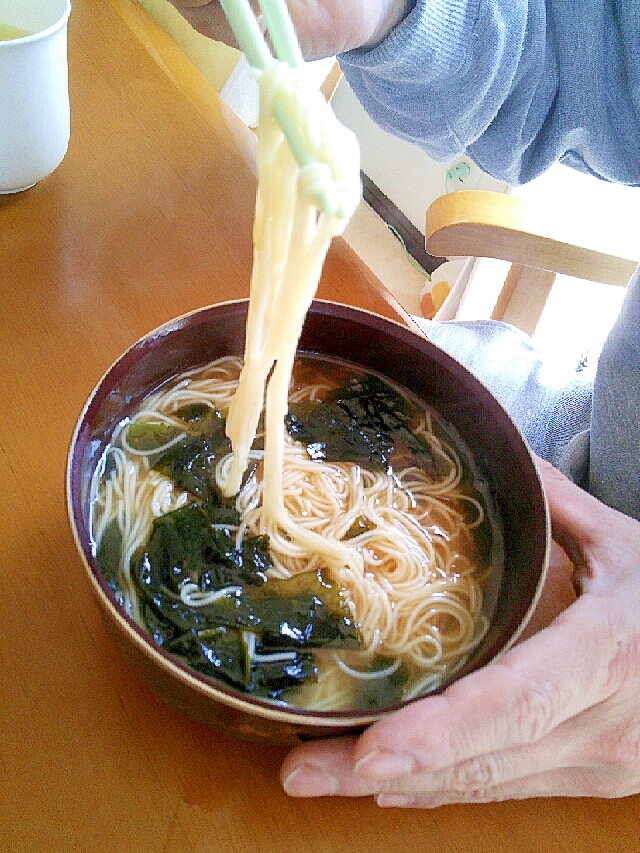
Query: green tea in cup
x,y
7,32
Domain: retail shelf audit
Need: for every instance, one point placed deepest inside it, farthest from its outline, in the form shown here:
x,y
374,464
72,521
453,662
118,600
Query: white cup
x,y
34,90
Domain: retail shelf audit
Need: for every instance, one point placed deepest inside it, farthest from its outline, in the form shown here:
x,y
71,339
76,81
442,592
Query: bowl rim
x,y
209,687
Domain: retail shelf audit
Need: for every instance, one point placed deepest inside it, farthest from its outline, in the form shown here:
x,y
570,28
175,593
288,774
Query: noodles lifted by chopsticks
x,y
291,237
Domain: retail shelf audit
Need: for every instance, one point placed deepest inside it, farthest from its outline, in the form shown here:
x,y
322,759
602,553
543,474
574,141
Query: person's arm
x,y
558,715
517,84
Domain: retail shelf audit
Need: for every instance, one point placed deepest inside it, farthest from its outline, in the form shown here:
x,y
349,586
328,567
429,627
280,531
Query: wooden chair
x,y
538,241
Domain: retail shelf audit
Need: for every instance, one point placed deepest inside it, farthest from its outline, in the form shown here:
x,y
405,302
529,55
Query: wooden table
x,y
150,216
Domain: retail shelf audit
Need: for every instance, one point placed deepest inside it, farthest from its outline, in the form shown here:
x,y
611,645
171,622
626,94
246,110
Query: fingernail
x,y
384,765
308,781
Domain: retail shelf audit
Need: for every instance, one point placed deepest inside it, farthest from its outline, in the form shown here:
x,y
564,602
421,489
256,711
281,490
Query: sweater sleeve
x,y
516,84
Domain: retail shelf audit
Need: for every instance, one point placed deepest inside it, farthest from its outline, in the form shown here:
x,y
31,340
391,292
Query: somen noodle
x,y
400,543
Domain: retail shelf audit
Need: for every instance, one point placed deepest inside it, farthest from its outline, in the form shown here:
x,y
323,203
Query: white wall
x,y
403,172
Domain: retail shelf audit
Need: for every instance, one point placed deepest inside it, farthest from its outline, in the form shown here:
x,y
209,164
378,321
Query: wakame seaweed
x,y
360,525
213,638
108,554
186,545
273,677
286,618
190,462
365,421
220,652
376,692
227,654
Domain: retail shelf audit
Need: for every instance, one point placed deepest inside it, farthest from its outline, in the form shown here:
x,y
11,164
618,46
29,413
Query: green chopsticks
x,y
252,43
282,32
247,32
287,50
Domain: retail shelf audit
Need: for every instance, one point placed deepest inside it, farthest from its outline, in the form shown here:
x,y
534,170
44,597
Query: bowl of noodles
x,y
394,540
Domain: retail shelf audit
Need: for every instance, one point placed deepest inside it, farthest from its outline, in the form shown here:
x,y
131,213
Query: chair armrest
x,y
478,223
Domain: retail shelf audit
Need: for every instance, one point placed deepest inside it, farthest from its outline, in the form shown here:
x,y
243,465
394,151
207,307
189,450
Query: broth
x,y
367,467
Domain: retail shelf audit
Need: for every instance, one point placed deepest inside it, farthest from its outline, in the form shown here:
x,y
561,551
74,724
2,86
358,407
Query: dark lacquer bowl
x,y
365,340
